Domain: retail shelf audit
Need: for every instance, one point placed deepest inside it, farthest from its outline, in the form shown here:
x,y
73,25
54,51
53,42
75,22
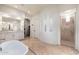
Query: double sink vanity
x,y
11,35
11,29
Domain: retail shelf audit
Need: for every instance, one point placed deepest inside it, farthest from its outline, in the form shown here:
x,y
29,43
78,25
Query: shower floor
x,y
68,43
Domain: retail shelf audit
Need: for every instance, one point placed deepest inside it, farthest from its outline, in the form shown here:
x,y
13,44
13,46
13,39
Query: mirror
x,y
9,24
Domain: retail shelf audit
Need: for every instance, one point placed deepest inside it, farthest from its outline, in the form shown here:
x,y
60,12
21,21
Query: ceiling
x,y
31,9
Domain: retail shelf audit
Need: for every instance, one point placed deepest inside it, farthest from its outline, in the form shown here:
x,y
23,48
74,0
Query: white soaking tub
x,y
13,47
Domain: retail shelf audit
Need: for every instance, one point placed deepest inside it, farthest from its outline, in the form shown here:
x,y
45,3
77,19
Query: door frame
x,y
61,14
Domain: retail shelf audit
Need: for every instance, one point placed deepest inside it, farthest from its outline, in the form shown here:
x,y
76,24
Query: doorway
x,y
27,28
68,28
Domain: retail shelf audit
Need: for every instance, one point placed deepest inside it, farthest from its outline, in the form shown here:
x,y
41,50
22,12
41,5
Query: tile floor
x,y
37,47
68,43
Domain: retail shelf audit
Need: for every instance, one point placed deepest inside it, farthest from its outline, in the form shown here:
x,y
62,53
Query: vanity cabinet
x,y
19,35
11,35
11,29
1,36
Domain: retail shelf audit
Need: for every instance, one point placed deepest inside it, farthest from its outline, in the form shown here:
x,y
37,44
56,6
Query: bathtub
x,y
13,47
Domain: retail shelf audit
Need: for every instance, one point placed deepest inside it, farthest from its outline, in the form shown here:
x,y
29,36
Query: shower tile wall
x,y
67,30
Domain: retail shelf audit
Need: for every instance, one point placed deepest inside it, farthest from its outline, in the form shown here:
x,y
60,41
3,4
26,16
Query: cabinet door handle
x,y
45,27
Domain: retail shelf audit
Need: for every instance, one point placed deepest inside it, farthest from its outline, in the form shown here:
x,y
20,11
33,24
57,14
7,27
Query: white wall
x,y
47,26
35,28
77,29
52,35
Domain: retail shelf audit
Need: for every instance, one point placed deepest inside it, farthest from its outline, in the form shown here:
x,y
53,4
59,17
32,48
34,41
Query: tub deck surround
x,y
41,48
13,47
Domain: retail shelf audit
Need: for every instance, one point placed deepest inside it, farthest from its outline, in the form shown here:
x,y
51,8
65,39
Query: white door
x,y
32,28
35,27
50,28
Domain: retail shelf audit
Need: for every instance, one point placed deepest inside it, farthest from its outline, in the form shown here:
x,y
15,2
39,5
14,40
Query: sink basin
x,y
13,47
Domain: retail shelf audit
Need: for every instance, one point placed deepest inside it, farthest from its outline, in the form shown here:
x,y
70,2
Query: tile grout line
x,y
32,51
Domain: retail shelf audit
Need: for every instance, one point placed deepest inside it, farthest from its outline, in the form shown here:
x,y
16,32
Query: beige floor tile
x,y
41,48
30,53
